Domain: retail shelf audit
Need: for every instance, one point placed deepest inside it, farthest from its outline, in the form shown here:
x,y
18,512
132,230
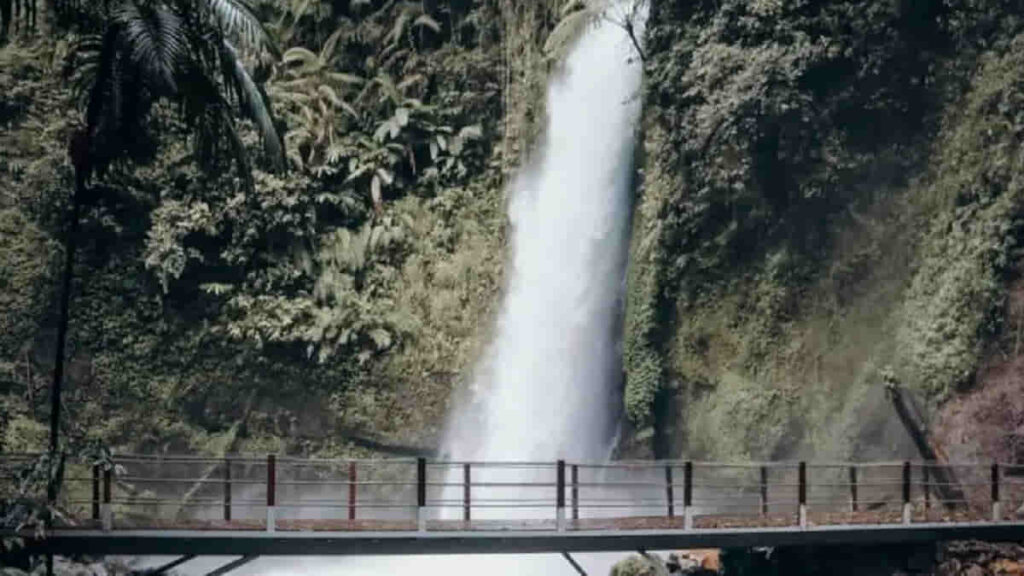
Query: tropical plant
x,y
188,53
313,94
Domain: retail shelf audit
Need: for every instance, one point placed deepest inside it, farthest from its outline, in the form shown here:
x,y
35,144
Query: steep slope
x,y
831,198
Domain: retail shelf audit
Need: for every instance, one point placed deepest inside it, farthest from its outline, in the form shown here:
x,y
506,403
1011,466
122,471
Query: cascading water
x,y
546,388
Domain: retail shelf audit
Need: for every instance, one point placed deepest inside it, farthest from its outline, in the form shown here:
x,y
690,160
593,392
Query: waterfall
x,y
546,389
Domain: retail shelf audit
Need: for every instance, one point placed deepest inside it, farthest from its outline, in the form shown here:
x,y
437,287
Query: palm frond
x,y
238,20
156,39
256,105
426,20
572,26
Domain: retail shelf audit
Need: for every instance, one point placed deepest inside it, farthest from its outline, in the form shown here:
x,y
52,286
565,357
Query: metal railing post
x,y
352,485
271,492
466,495
853,488
227,490
802,494
421,494
764,490
106,509
926,486
575,492
560,496
906,492
688,495
96,492
669,496
997,512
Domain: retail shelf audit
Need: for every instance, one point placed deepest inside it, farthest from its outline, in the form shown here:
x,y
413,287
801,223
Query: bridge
x,y
275,505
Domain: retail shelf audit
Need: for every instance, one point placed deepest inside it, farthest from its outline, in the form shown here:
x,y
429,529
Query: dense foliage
x,y
812,211
222,301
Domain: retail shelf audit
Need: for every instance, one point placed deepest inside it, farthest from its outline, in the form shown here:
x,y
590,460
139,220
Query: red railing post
x,y
802,494
853,488
95,491
764,491
106,510
421,494
926,486
687,495
352,485
906,492
996,506
669,495
560,495
271,492
575,492
466,492
227,490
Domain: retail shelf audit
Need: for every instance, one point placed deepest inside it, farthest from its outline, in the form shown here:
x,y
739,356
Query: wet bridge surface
x,y
274,505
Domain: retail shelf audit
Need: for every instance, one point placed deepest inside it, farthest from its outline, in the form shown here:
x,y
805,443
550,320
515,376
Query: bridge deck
x,y
270,505
218,542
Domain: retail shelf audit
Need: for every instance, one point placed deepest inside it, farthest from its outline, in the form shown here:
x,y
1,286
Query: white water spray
x,y
546,389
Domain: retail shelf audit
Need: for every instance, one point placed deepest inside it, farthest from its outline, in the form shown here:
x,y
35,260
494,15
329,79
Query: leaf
x,y
344,78
402,116
472,132
157,40
410,80
385,176
327,52
426,20
570,28
303,55
329,93
375,193
381,338
238,19
257,107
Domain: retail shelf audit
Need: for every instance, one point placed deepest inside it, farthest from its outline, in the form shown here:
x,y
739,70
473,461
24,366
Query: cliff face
x,y
831,194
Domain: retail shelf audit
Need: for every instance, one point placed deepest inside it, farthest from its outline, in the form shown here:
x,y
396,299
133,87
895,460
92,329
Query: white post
x,y
687,518
560,518
906,512
803,516
421,519
997,511
271,518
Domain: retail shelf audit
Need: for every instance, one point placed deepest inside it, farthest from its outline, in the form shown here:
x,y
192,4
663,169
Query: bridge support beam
x,y
232,565
163,569
572,562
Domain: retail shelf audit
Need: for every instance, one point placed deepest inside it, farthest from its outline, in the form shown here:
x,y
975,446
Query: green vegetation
x,y
226,301
294,231
829,189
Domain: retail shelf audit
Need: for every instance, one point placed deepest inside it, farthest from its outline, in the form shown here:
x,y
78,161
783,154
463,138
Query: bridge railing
x,y
282,493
